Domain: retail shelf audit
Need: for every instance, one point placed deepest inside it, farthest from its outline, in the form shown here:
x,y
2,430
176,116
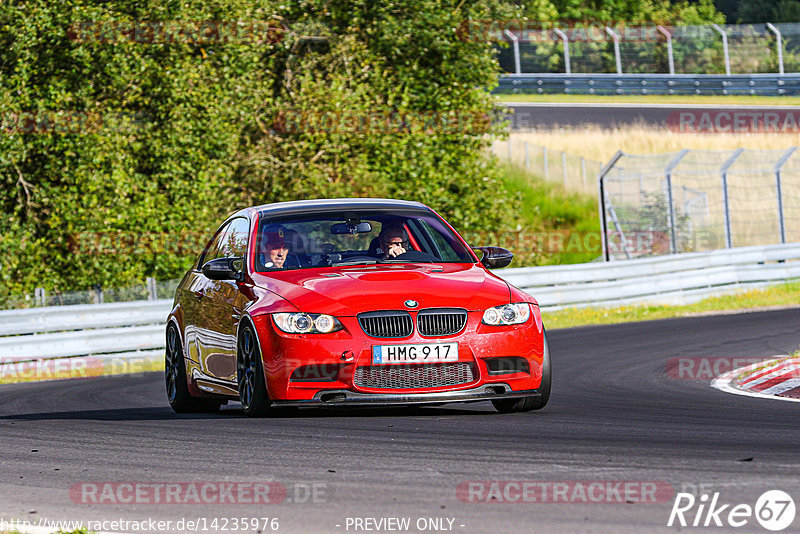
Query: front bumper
x,y
349,349
345,397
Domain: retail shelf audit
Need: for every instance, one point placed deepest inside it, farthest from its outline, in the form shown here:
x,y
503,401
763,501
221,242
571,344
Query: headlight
x,y
306,323
507,314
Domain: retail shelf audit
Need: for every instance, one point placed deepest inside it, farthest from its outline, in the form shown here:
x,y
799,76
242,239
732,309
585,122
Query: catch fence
x,y
573,172
699,200
622,49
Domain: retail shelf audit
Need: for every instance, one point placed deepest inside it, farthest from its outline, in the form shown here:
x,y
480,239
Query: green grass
x,y
782,295
652,99
549,213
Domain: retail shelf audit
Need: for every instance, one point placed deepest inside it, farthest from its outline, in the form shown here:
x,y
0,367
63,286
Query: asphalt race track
x,y
615,415
528,115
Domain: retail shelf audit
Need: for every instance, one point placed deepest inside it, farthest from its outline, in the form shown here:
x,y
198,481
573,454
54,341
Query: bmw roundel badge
x,y
411,303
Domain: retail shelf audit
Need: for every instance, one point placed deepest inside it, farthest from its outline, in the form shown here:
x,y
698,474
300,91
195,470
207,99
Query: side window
x,y
215,247
445,251
235,240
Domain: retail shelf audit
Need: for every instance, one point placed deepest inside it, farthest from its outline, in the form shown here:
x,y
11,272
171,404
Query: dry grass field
x,y
600,144
573,157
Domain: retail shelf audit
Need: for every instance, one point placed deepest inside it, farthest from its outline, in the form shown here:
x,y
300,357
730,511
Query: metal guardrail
x,y
82,317
650,84
135,330
121,330
674,279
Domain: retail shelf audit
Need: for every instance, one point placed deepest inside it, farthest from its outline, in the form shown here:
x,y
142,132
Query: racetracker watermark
x,y
23,369
147,524
575,31
50,122
382,122
638,243
735,121
179,32
705,367
568,492
207,492
125,242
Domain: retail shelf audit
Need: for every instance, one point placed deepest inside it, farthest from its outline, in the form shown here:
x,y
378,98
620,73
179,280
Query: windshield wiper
x,y
405,261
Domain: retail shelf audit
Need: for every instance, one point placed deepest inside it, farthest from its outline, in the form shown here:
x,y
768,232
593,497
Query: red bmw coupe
x,y
351,302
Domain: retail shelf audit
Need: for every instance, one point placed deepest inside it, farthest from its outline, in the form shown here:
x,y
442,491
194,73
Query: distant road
x,y
548,114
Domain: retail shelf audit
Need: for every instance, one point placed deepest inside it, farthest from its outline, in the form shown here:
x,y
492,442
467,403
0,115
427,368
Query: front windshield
x,y
355,238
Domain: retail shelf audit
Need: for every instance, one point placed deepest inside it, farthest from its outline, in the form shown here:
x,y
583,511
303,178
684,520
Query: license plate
x,y
415,353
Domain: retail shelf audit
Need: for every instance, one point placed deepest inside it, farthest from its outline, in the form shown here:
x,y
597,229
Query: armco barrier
x,y
650,84
125,331
674,279
136,329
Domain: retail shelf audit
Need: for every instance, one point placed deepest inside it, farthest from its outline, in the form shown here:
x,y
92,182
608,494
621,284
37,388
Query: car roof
x,y
299,207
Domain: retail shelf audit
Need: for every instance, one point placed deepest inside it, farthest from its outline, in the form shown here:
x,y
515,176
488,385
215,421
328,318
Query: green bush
x,y
149,145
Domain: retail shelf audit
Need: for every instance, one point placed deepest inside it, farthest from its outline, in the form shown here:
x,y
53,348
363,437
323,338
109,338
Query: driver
x,y
392,241
274,247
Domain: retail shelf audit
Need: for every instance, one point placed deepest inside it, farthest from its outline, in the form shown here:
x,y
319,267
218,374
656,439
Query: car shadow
x,y
165,413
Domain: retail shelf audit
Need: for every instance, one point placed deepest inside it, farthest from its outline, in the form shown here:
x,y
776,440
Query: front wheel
x,y
526,404
175,376
250,375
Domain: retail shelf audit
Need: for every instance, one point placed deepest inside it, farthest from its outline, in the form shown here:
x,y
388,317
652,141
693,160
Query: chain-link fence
x,y
151,289
698,200
705,49
574,173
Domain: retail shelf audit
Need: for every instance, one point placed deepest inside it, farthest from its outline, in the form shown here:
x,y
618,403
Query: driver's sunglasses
x,y
403,244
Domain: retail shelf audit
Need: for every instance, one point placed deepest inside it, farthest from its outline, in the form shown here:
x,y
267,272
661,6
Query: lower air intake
x,y
414,376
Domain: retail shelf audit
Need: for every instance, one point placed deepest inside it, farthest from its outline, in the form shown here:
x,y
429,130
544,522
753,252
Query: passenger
x,y
392,242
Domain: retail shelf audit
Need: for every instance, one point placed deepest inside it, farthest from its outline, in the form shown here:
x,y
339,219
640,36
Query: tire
x,y
175,379
526,404
250,374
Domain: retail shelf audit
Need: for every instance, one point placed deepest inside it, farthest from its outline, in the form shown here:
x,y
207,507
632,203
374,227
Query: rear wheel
x,y
175,377
250,374
526,404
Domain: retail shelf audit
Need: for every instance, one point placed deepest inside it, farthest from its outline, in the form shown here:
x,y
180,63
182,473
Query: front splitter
x,y
343,397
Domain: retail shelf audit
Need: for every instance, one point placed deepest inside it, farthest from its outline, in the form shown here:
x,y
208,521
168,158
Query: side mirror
x,y
223,269
495,257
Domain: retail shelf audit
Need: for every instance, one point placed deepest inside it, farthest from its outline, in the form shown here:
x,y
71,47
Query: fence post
x,y
670,56
673,233
565,40
152,289
515,42
779,191
583,172
724,48
725,202
617,56
98,293
39,296
544,155
527,157
601,200
771,27
564,167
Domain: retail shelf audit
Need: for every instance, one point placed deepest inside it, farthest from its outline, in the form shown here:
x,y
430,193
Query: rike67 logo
x,y
774,510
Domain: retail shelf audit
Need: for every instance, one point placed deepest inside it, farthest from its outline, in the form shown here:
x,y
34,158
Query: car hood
x,y
346,291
